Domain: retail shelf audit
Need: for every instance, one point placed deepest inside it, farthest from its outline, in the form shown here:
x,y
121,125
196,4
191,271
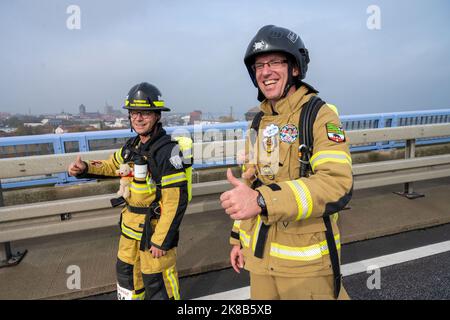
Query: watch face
x,y
261,201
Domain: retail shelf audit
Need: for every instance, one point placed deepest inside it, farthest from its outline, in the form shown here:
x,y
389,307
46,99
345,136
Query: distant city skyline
x,y
206,115
193,52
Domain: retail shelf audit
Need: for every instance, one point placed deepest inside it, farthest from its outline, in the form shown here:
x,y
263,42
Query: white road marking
x,y
395,258
236,294
351,268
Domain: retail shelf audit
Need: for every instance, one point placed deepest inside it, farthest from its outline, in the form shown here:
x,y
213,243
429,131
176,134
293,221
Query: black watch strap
x,y
262,204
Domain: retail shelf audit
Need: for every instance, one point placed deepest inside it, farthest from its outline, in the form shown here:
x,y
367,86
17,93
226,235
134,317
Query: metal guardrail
x,y
23,146
45,218
50,218
32,166
69,143
217,151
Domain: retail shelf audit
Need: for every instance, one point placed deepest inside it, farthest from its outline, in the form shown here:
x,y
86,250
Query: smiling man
x,y
272,76
285,231
150,220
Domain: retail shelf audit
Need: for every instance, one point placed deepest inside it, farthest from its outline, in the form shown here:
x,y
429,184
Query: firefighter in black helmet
x,y
273,39
150,220
285,232
144,98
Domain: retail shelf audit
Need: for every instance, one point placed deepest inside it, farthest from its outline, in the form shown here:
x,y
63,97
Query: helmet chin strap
x,y
131,125
290,82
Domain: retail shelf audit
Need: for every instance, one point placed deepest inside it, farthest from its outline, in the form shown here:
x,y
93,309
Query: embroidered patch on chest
x,y
288,133
270,141
270,131
335,133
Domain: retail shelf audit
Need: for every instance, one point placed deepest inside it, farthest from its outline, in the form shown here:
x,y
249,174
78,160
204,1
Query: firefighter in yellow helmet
x,y
151,216
285,211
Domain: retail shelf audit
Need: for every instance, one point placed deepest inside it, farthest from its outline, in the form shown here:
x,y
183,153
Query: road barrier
x,y
33,220
75,142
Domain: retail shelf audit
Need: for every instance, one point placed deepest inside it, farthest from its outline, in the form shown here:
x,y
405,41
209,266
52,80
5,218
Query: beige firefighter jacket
x,y
295,243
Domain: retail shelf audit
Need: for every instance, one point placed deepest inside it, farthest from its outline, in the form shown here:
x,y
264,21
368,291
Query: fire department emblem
x,y
292,36
289,133
259,45
335,133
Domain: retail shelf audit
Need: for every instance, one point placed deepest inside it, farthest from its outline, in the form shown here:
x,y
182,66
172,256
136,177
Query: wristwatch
x,y
262,204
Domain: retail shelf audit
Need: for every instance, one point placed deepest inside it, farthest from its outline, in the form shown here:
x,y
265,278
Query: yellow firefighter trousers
x,y
266,287
145,276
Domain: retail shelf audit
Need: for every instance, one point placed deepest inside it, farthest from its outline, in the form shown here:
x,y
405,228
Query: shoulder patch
x,y
176,162
96,163
335,133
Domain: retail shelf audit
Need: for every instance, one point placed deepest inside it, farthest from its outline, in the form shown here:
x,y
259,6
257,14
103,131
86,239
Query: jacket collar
x,y
289,104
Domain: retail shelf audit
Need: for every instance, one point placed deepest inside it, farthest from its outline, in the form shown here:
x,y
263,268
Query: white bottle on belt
x,y
140,168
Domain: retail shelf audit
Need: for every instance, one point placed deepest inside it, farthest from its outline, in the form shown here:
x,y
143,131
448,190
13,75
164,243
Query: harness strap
x,y
152,212
307,117
255,126
334,256
154,169
306,140
261,242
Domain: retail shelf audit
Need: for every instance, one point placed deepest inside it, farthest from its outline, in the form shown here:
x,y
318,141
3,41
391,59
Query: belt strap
x,y
151,212
138,210
155,211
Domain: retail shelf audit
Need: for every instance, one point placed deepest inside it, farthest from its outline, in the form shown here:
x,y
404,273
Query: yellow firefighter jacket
x,y
174,194
295,243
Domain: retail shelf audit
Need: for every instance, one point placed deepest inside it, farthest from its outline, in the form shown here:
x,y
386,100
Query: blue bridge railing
x,y
22,146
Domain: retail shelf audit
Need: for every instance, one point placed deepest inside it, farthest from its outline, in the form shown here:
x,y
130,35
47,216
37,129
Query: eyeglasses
x,y
145,114
274,64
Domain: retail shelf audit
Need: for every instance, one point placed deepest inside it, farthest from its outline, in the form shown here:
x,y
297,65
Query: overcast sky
x,y
193,52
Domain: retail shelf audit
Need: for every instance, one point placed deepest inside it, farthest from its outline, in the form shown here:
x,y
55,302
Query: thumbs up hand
x,y
235,182
77,167
249,173
240,202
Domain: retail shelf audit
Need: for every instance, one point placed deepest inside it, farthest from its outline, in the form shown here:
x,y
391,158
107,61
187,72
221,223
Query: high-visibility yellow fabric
x,y
143,103
171,281
308,253
186,145
173,178
302,197
330,156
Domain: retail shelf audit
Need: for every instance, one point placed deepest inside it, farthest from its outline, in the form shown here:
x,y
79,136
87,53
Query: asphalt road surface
x,y
424,278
